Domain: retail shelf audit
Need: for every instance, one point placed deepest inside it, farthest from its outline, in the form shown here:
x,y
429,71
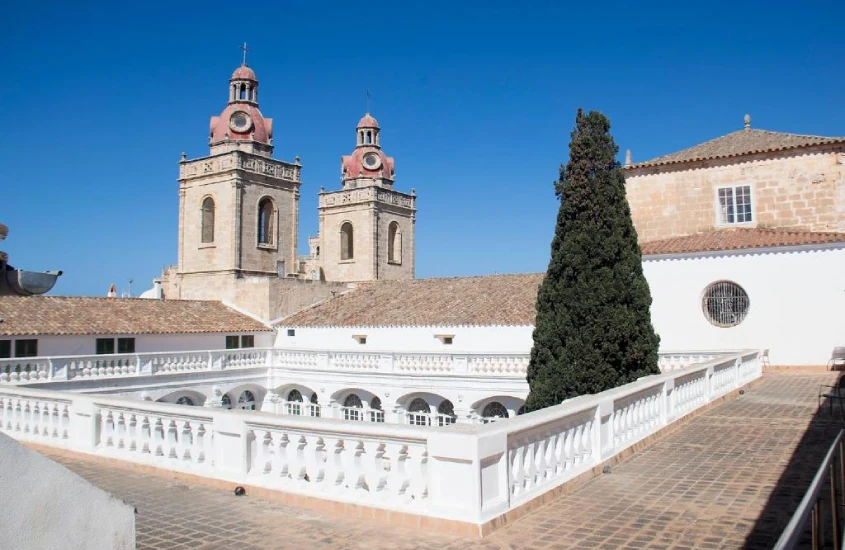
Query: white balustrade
x,y
366,468
85,367
354,361
167,363
295,359
466,473
498,365
35,418
25,369
245,358
180,441
99,366
429,363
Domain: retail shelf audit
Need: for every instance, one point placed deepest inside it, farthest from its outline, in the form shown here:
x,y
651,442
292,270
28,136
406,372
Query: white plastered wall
x,y
48,506
797,301
51,346
466,339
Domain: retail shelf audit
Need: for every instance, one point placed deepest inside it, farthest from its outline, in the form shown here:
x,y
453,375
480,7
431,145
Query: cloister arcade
x,y
418,408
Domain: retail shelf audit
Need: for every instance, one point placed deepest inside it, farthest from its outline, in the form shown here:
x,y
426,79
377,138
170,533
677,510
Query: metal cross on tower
x,y
245,49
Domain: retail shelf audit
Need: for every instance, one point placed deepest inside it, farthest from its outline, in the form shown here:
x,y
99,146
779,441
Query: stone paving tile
x,y
729,478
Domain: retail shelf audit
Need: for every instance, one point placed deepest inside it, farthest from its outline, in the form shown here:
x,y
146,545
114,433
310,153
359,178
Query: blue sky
x,y
476,101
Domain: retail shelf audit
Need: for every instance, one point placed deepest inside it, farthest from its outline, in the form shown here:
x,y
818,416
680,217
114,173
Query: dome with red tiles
x,y
368,162
241,121
367,121
243,73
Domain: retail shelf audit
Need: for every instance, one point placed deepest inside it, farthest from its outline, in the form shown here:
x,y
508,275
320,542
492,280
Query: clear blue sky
x,y
476,101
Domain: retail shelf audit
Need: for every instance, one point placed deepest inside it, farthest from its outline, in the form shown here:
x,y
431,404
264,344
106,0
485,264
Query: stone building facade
x,y
367,228
239,217
749,178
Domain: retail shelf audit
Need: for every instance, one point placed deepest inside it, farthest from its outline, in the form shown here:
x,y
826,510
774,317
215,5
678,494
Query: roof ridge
x,y
739,143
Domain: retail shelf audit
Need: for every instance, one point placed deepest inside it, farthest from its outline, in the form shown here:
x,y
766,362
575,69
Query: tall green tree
x,y
593,329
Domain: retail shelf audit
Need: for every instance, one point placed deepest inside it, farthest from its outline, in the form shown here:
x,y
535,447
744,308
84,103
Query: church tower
x,y
367,228
238,208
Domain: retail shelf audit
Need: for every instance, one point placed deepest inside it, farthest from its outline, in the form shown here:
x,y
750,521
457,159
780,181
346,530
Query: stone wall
x,y
265,297
362,265
403,265
370,210
801,189
237,181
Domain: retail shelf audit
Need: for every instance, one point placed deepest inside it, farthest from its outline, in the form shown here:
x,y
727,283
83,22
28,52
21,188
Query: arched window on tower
x,y
243,91
347,251
208,220
266,227
394,244
369,138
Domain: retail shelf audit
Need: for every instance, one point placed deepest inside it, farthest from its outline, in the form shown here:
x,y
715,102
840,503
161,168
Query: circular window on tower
x,y
725,304
240,122
372,161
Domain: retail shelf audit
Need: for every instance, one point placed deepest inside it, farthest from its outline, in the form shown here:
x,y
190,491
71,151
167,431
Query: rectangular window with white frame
x,y
734,205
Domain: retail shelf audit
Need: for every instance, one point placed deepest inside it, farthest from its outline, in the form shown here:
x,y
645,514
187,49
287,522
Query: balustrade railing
x,y
87,367
466,473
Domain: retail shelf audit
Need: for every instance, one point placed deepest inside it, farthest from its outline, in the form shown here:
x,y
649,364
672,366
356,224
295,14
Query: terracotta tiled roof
x,y
43,315
488,300
737,239
742,142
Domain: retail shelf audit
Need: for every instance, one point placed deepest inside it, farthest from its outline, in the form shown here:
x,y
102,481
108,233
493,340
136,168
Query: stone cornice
x,y
239,160
368,195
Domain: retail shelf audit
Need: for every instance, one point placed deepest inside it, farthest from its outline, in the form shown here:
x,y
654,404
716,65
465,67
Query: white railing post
x,y
603,435
59,369
322,360
230,445
84,422
145,364
667,414
469,474
709,380
459,364
385,362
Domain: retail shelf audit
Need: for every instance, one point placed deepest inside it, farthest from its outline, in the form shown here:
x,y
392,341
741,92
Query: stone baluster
x,y
184,441
132,433
314,460
107,427
281,456
262,458
418,470
334,472
119,430
374,472
516,459
297,451
399,479
157,436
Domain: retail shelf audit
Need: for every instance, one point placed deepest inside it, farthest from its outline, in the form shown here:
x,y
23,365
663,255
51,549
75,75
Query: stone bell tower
x,y
367,228
238,208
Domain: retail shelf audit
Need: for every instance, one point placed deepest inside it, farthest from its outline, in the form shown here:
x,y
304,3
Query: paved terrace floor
x,y
730,478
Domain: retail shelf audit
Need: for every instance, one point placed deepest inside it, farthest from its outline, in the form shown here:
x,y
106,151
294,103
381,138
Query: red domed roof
x,y
243,73
353,166
367,121
259,128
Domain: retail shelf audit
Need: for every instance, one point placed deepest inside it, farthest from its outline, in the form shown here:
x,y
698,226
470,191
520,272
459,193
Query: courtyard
x,y
729,478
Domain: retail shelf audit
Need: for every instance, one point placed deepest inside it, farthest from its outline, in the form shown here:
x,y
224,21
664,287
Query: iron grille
x,y
725,304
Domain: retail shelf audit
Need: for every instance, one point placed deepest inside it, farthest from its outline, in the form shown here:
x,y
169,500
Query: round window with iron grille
x,y
725,304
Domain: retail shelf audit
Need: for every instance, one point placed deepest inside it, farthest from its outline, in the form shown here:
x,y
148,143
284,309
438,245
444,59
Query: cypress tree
x,y
593,330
